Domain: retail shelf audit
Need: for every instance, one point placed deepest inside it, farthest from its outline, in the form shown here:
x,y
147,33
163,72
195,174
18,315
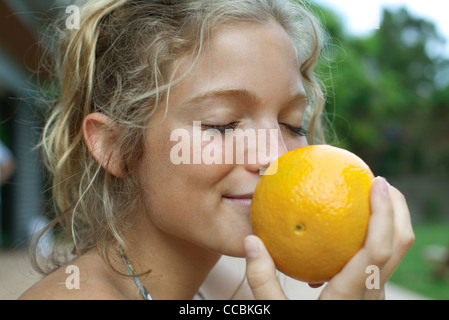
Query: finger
x,y
350,282
379,243
379,240
404,236
378,247
261,271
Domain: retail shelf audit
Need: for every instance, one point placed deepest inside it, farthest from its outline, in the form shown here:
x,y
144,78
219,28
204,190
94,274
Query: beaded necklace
x,y
144,292
133,273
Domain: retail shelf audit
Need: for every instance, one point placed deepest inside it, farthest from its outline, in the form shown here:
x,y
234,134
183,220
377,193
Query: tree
x,y
386,100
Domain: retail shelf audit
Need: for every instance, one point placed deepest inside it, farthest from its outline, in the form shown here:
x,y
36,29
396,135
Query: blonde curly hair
x,y
121,63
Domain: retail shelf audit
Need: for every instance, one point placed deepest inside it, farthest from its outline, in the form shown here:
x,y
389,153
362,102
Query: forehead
x,y
256,57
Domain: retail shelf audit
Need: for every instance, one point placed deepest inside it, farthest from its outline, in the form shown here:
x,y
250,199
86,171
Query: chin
x,y
235,253
235,247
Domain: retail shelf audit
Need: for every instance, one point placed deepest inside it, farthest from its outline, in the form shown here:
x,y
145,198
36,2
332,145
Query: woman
x,y
131,76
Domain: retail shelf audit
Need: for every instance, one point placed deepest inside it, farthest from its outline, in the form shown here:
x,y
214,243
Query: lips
x,y
240,196
240,199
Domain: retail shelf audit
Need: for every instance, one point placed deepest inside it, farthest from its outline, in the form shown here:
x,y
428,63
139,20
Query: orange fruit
x,y
311,209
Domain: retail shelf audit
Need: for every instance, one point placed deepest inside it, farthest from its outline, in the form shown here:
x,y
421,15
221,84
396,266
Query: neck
x,y
177,268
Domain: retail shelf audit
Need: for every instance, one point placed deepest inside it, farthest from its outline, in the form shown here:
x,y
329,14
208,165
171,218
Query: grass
x,y
415,272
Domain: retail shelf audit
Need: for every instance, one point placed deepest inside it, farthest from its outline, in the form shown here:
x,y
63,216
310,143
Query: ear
x,y
99,133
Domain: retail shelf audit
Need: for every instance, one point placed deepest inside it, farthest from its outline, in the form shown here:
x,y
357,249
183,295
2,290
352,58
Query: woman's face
x,y
246,79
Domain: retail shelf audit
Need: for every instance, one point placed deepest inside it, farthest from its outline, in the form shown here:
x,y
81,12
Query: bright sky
x,y
362,16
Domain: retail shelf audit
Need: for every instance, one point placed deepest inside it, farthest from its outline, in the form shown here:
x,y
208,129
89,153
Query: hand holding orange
x,y
313,213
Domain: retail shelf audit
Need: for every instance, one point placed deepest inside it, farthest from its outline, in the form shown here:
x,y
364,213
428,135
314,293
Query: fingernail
x,y
251,248
383,186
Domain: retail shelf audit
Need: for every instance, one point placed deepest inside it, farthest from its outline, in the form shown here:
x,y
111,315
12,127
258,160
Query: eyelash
x,y
300,131
222,129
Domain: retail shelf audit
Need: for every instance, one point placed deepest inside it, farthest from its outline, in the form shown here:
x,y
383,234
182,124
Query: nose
x,y
270,146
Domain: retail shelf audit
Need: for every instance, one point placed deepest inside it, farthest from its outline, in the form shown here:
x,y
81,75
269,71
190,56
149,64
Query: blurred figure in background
x,y
441,270
7,164
7,168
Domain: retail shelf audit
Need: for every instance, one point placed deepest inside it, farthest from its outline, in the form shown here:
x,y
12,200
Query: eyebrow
x,y
242,95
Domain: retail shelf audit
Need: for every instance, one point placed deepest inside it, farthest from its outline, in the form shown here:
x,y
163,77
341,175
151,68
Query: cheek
x,y
295,143
180,156
181,193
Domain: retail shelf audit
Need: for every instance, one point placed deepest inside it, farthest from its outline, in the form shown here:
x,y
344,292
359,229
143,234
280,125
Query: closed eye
x,y
300,131
221,128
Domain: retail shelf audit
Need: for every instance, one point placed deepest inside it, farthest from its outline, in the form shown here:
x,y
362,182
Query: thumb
x,y
261,271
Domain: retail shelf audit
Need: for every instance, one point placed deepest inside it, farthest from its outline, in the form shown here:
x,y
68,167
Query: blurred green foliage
x,y
388,100
417,270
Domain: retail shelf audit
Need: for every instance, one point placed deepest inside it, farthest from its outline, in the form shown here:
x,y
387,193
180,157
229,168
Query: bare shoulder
x,y
77,281
54,287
